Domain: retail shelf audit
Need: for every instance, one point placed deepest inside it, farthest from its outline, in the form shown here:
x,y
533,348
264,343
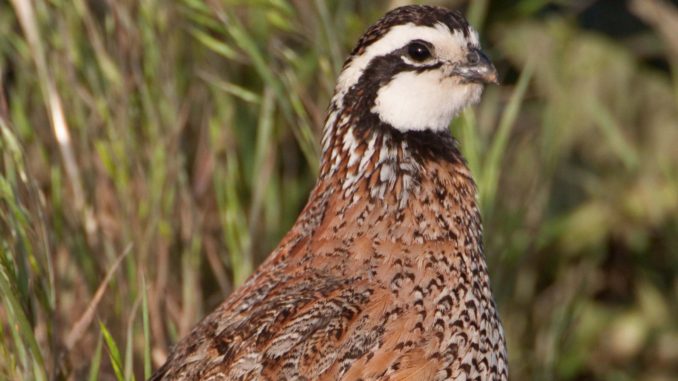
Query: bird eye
x,y
418,51
473,57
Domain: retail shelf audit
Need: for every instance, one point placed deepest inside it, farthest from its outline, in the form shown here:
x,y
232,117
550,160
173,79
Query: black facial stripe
x,y
360,100
378,73
423,68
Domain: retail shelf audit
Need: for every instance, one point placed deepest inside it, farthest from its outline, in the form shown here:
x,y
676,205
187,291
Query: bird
x,y
383,274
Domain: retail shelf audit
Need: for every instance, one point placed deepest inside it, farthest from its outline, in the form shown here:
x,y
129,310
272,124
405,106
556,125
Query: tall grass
x,y
153,153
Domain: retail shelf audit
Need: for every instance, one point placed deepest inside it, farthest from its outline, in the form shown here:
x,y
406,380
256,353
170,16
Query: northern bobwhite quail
x,y
383,276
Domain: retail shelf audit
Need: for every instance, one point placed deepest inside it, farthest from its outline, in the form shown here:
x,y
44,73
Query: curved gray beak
x,y
477,68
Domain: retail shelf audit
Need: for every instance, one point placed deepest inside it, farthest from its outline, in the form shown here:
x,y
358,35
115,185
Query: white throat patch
x,y
419,101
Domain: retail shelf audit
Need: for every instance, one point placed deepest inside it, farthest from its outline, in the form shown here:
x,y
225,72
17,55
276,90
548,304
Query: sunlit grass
x,y
193,131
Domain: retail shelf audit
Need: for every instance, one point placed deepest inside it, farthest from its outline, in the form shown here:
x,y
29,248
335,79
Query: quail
x,y
382,276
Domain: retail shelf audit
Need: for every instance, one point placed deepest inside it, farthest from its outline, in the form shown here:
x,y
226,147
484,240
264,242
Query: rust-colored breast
x,y
362,289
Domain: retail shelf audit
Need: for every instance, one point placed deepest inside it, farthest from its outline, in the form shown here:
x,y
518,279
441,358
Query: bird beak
x,y
478,68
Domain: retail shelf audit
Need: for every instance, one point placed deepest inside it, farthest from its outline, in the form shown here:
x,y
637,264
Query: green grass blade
x,y
129,347
288,100
17,315
613,134
113,353
95,362
469,139
492,166
476,13
330,35
146,329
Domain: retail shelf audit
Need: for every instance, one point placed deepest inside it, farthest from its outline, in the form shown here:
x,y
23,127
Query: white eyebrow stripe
x,y
396,38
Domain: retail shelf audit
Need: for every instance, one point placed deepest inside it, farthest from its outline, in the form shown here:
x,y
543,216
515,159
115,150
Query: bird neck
x,y
371,172
384,195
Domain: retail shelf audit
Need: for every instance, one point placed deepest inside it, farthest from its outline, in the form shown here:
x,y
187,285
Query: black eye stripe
x,y
422,68
399,64
383,69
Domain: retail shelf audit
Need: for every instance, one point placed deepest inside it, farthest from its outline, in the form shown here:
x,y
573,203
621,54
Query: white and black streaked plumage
x,y
383,276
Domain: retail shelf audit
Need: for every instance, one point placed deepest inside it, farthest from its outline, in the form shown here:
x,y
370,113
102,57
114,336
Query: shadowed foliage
x,y
152,153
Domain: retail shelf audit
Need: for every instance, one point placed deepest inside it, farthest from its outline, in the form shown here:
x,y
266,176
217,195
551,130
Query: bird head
x,y
416,69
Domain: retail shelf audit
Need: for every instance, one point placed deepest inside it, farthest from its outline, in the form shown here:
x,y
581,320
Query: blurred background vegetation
x,y
153,152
